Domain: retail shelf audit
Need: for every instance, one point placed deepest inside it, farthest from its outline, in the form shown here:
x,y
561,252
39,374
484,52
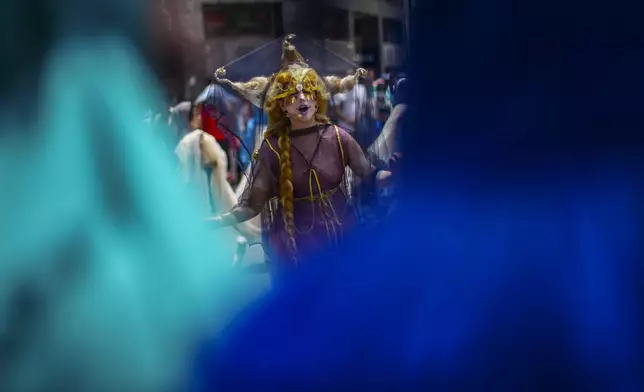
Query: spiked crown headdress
x,y
262,90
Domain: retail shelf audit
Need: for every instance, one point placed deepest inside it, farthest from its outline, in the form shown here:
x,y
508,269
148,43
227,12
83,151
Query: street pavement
x,y
255,279
254,270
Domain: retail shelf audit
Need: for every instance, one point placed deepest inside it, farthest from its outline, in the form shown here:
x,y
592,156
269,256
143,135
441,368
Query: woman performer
x,y
298,178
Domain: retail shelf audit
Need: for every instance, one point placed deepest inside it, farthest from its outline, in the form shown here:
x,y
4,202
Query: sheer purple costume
x,y
322,209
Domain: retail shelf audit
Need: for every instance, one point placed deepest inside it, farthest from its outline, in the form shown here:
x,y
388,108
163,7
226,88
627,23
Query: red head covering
x,y
209,124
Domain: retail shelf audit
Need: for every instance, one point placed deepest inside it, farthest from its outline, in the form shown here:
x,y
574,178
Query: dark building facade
x,y
213,33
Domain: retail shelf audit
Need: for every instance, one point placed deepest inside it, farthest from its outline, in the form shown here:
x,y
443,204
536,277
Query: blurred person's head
x,y
182,109
376,82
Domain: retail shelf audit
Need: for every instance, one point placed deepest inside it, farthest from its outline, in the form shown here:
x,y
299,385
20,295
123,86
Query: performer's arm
x,y
357,161
237,215
259,190
211,152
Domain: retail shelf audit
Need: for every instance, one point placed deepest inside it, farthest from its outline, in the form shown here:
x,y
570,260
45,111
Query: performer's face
x,y
300,106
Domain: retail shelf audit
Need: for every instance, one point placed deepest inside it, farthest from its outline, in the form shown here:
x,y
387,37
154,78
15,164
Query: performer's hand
x,y
242,248
394,161
383,178
215,222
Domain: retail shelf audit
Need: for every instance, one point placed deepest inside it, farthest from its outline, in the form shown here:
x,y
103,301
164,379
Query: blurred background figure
x,y
179,120
392,130
350,105
106,273
381,103
219,116
195,167
249,124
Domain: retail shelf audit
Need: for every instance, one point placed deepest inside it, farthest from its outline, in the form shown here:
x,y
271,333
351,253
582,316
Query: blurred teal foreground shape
x,y
106,273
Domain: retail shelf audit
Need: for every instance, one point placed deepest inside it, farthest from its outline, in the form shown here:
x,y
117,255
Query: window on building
x,y
392,31
395,3
229,20
335,24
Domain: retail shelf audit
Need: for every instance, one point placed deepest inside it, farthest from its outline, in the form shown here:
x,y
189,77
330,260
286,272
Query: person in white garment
x,y
203,166
351,105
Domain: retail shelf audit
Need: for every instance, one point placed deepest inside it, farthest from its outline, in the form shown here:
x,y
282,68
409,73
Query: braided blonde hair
x,y
286,190
280,126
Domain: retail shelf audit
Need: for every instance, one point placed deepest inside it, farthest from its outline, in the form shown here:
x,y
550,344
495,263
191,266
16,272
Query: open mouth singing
x,y
303,109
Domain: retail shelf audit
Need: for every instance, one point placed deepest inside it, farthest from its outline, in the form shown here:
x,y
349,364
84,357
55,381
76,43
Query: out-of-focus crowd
x,y
370,102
